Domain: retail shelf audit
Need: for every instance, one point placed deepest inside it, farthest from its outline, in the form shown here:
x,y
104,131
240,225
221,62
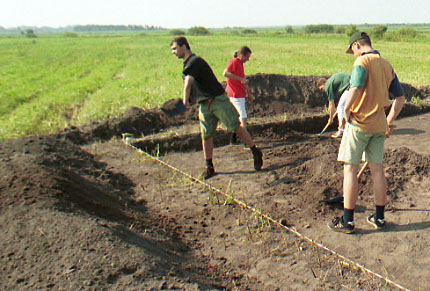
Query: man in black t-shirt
x,y
201,86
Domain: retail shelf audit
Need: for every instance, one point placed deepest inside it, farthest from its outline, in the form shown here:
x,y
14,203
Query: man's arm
x,y
232,76
396,90
331,111
249,95
350,99
396,107
188,82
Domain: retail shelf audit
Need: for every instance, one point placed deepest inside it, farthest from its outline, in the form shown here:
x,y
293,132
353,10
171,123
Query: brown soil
x,y
80,210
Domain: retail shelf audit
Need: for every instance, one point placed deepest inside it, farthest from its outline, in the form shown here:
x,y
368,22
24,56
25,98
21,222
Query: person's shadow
x,y
392,227
404,131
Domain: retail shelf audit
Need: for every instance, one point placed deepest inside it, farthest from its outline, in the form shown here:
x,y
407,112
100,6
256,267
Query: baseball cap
x,y
356,36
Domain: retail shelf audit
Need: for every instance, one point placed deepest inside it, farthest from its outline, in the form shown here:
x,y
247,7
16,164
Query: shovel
x,y
327,125
325,128
339,199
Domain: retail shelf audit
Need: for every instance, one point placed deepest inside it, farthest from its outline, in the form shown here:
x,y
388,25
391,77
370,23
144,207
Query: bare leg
x,y
350,186
244,136
341,108
379,184
208,148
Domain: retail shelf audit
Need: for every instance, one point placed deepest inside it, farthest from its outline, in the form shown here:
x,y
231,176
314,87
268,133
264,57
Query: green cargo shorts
x,y
219,109
355,142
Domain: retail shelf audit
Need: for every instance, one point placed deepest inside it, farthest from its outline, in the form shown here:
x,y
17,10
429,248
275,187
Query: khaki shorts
x,y
220,110
355,142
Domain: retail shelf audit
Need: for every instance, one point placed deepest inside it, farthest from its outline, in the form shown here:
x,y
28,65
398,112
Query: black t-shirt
x,y
205,83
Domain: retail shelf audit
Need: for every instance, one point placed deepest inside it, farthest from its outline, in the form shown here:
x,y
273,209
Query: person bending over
x,y
336,87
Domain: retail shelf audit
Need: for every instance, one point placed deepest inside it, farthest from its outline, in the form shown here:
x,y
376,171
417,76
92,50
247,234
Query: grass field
x,y
50,82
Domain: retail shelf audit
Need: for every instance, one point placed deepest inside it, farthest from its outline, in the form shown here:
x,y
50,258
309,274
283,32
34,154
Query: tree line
x,y
79,28
107,28
377,32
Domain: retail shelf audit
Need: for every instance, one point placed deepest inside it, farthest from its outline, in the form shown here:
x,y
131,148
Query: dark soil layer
x,y
295,98
80,213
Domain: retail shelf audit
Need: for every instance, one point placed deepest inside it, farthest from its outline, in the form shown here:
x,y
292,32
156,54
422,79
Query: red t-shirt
x,y
235,88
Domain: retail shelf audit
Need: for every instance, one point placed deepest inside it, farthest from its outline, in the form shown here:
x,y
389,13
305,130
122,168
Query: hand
x,y
330,120
186,104
250,98
346,117
244,81
390,130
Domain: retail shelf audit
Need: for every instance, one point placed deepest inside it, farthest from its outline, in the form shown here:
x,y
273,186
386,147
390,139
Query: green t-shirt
x,y
336,85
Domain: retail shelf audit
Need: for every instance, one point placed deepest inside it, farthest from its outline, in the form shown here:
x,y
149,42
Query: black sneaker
x,y
208,173
377,223
258,159
337,224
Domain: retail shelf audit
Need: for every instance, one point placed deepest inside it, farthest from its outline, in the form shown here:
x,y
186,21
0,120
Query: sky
x,y
210,14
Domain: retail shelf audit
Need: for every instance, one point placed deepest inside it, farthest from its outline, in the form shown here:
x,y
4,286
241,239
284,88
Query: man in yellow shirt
x,y
367,126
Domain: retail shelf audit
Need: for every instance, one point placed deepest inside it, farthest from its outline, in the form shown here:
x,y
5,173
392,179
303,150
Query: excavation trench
x,y
77,206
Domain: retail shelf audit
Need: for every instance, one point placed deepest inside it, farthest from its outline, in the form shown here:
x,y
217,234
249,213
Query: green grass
x,y
51,82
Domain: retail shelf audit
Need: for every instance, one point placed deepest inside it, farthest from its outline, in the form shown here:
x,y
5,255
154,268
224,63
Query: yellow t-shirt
x,y
373,75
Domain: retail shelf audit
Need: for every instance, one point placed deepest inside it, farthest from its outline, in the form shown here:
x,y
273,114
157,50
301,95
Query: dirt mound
x,y
38,169
272,89
404,165
133,120
293,98
67,222
312,173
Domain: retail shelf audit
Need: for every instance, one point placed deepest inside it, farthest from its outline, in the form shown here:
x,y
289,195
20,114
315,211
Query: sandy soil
x,y
80,210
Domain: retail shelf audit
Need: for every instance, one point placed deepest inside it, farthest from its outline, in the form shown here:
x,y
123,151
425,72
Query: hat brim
x,y
349,50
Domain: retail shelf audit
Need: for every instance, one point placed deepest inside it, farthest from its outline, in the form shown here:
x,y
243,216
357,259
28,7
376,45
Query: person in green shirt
x,y
336,87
